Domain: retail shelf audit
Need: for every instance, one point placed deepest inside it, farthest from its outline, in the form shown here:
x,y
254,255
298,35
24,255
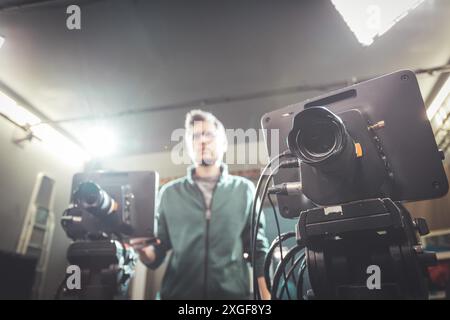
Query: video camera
x,y
347,160
111,203
107,208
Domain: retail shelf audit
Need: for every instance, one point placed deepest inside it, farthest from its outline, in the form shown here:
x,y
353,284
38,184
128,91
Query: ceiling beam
x,y
202,103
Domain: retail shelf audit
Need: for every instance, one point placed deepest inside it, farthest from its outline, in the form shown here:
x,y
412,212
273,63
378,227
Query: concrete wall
x,y
19,167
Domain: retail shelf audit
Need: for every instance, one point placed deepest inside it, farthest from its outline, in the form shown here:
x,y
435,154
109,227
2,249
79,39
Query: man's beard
x,y
207,162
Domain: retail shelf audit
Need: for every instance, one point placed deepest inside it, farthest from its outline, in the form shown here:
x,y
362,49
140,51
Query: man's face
x,y
208,145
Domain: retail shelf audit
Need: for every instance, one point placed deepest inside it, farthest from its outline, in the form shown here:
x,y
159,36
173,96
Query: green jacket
x,y
207,260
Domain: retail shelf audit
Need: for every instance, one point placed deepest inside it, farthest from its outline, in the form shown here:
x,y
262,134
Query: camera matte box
x,y
407,138
144,187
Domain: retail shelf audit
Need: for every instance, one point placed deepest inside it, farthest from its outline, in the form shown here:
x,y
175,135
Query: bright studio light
x,y
2,41
65,148
368,19
16,113
51,138
99,142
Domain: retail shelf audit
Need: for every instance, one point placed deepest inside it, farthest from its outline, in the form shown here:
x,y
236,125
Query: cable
x,y
281,267
256,294
283,237
291,273
276,279
290,163
259,183
279,233
255,228
300,280
254,237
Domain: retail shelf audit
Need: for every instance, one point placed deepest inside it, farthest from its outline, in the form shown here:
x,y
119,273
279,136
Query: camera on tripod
x,y
359,153
107,209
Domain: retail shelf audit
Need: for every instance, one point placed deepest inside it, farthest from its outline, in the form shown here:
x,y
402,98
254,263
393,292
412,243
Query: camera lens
x,y
319,137
94,199
89,193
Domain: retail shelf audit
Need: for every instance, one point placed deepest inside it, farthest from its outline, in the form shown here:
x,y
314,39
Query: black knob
x,y
421,226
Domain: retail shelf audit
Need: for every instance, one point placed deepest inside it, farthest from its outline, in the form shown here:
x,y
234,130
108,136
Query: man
x,y
205,219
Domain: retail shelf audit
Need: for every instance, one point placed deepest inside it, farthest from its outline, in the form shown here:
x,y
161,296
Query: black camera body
x,y
387,117
106,203
363,150
108,208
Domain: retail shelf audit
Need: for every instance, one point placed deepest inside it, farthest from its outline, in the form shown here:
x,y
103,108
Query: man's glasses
x,y
207,135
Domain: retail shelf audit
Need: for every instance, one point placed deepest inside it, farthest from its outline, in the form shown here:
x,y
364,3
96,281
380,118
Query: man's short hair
x,y
198,115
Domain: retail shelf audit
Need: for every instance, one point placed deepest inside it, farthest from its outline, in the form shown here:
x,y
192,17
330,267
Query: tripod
x,y
106,268
345,244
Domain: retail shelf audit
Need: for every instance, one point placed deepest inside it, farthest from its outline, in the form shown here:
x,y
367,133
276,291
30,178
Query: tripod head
x,y
107,267
346,244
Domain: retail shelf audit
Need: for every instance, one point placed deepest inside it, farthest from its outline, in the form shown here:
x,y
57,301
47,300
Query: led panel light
x,y
369,19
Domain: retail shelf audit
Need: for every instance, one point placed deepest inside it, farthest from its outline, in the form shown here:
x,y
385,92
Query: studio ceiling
x,y
132,55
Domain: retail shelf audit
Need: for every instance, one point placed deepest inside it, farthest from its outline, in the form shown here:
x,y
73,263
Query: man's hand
x,y
146,252
264,292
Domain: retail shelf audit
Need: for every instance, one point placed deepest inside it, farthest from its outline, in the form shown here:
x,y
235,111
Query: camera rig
x,y
107,208
356,155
